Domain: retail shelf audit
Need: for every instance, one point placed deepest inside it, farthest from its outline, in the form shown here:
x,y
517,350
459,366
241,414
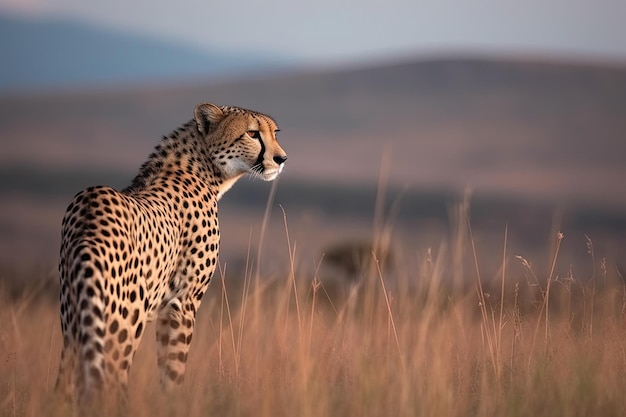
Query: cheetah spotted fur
x,y
148,252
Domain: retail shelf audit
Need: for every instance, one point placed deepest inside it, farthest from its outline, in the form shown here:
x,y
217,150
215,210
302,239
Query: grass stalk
x,y
488,336
389,311
230,322
559,238
259,254
502,285
245,291
292,271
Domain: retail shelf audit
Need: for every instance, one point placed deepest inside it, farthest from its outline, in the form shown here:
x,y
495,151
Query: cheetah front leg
x,y
174,329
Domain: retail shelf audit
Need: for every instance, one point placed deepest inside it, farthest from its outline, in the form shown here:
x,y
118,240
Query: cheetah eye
x,y
254,134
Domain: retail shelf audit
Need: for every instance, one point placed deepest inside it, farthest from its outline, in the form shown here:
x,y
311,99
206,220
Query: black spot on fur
x,y
122,336
113,326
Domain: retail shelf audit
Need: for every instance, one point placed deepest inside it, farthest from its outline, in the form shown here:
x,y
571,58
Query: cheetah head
x,y
242,141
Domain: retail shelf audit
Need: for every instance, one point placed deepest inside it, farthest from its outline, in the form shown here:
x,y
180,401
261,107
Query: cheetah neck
x,y
226,184
182,153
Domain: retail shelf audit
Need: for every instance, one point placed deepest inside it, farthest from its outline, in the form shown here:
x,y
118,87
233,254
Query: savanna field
x,y
407,340
372,286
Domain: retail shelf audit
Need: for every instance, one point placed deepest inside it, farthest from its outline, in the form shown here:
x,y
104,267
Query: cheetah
x,y
148,252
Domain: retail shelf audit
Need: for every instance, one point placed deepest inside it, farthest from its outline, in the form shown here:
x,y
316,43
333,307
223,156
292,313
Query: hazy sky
x,y
327,31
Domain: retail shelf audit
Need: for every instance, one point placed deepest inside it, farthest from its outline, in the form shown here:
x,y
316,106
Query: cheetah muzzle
x,y
149,251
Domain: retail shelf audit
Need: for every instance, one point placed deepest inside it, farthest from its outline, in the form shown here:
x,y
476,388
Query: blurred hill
x,y
539,142
55,54
540,128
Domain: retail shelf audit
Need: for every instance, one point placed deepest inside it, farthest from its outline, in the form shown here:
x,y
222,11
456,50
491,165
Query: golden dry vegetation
x,y
412,343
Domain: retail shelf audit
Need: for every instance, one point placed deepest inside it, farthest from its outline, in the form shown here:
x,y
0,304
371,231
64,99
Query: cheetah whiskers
x,y
256,172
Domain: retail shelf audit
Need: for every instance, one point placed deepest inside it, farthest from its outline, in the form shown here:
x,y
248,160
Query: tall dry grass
x,y
418,342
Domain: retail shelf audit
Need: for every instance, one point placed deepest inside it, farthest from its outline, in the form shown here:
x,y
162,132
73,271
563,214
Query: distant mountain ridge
x,y
64,53
547,129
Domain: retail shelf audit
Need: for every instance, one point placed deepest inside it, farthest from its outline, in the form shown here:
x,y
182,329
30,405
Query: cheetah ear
x,y
207,114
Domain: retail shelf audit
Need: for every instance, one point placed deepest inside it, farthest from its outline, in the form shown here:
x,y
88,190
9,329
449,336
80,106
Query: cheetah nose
x,y
280,159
